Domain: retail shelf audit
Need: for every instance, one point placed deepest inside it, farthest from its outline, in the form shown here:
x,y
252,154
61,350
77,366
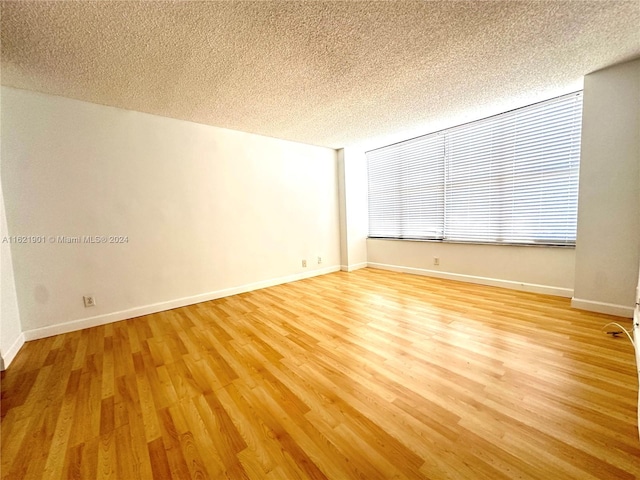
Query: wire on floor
x,y
623,330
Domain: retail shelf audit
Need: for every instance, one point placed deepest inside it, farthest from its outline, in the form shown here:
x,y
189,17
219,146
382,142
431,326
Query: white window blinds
x,y
406,189
511,178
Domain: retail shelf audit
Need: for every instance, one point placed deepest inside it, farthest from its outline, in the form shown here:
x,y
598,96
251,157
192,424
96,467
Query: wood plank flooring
x,y
363,375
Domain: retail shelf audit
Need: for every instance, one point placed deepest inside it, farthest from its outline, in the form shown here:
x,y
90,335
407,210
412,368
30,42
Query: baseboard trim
x,y
12,351
355,266
66,327
493,282
601,307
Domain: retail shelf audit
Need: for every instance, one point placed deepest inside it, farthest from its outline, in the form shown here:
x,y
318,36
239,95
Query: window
x,y
510,178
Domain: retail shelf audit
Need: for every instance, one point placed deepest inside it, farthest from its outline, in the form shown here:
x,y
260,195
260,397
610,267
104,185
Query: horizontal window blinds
x,y
406,189
511,178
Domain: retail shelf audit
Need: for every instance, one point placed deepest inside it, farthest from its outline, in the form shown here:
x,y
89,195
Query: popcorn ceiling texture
x,y
324,73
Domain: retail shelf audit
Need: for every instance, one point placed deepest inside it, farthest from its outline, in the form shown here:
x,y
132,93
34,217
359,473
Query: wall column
x,y
608,242
352,178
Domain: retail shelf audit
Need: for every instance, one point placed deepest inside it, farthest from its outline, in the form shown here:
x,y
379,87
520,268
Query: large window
x,y
510,178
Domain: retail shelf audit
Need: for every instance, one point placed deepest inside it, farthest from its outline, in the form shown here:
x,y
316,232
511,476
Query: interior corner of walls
x,y
354,267
602,307
8,356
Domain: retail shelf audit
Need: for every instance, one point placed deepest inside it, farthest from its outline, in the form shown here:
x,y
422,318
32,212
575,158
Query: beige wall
x,y
608,244
535,269
207,211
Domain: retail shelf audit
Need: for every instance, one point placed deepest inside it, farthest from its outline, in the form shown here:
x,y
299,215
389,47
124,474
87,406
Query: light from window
x,y
510,178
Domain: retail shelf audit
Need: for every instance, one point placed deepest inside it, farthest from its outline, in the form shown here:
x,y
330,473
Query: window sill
x,y
458,242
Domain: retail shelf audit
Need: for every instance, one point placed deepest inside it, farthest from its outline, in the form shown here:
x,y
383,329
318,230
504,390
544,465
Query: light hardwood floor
x,y
369,375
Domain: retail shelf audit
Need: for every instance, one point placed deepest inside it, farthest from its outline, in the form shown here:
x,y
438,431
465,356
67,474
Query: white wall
x,y
536,269
608,245
11,338
354,222
342,200
207,211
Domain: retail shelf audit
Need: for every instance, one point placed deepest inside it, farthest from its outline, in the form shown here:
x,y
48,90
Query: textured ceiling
x,y
325,73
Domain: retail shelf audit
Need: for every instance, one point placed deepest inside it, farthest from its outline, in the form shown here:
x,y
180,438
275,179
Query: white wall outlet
x,y
436,260
89,301
304,263
319,260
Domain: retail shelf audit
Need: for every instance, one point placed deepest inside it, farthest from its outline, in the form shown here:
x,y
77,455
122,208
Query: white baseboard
x,y
12,351
355,266
494,282
601,307
66,327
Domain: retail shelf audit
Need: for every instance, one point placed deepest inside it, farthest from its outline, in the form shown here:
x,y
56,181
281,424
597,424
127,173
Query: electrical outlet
x,y
89,301
436,260
304,263
319,260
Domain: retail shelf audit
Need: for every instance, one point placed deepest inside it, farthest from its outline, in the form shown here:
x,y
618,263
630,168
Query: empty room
x,y
319,239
